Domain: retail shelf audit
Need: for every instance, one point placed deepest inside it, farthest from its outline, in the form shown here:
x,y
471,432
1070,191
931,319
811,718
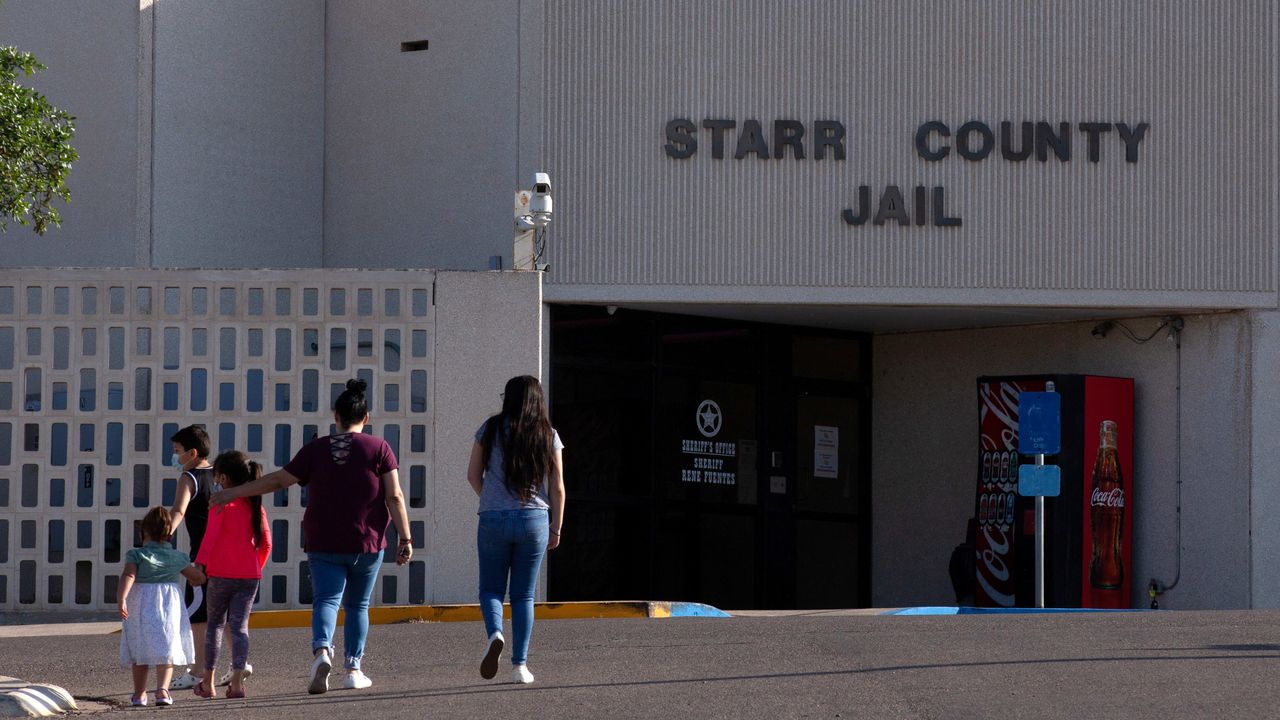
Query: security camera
x,y
540,203
539,215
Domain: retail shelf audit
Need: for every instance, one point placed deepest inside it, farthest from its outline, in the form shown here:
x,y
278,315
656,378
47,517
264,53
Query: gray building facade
x,y
958,190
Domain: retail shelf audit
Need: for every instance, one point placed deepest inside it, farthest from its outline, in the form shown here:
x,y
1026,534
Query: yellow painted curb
x,y
391,614
660,610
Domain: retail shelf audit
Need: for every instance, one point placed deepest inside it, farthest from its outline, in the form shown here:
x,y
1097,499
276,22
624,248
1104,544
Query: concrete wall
x,y
97,82
1265,454
924,424
286,134
1191,224
295,133
239,134
421,147
489,328
99,367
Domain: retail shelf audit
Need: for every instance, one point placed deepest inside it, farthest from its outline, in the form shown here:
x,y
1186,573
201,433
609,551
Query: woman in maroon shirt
x,y
353,492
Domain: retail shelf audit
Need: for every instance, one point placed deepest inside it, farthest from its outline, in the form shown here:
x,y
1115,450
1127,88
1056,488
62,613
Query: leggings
x,y
229,601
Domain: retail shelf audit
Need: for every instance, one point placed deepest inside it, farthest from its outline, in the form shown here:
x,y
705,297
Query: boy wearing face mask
x,y
191,503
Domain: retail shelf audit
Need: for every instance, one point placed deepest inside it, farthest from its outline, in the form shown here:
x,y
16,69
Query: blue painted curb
x,y
935,610
692,609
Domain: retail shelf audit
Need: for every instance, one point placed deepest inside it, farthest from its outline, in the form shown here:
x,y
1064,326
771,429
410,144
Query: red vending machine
x,y
1088,528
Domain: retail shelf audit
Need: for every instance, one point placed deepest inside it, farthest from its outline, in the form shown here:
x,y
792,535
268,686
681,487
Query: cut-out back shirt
x,y
346,504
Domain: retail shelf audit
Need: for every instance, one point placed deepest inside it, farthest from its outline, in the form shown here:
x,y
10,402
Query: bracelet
x,y
553,532
406,541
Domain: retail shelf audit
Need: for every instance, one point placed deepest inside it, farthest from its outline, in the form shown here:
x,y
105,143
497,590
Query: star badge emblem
x,y
708,418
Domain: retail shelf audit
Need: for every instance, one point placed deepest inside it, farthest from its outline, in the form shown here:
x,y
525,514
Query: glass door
x,y
710,461
828,497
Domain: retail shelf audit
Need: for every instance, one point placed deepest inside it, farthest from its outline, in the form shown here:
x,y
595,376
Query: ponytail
x,y
238,469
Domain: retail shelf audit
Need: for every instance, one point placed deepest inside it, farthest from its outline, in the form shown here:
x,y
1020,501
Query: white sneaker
x,y
489,663
520,675
226,677
185,681
320,673
355,680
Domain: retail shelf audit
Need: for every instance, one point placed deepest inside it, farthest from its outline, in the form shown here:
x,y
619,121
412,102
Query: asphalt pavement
x,y
826,665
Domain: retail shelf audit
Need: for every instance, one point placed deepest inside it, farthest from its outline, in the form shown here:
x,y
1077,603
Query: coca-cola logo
x,y
992,572
1000,401
1113,499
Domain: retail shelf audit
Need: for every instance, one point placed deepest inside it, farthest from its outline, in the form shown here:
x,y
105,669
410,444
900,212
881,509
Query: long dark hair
x,y
523,431
238,469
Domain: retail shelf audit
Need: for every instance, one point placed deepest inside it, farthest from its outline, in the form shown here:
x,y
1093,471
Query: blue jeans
x,y
511,542
331,574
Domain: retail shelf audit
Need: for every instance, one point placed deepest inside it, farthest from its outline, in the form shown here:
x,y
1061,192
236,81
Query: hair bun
x,y
358,386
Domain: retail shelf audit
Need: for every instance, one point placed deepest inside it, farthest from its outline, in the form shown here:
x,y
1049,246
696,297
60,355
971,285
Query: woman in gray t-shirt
x,y
517,472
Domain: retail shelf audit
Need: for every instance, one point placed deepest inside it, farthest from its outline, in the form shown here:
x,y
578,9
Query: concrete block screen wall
x,y
99,368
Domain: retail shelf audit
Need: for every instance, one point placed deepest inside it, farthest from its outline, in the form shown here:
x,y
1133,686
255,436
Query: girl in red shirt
x,y
235,548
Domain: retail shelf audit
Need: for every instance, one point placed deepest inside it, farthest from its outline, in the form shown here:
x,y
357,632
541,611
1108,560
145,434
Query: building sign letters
x,y
708,461
935,141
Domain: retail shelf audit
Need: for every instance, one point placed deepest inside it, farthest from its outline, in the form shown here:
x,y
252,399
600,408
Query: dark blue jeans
x,y
331,575
511,543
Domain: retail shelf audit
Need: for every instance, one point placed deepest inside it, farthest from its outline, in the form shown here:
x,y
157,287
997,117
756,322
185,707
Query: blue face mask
x,y
174,460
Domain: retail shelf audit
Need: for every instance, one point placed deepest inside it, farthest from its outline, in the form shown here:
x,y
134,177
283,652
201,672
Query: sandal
x,y
202,691
234,694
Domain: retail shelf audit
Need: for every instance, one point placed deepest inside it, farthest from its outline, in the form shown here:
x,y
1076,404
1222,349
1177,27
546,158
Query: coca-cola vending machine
x,y
1088,528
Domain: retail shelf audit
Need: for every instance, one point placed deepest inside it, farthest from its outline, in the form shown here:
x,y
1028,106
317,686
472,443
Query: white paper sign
x,y
826,451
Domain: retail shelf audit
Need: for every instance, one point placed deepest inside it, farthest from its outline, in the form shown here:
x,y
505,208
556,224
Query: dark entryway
x,y
711,460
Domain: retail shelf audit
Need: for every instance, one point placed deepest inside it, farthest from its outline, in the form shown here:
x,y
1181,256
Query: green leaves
x,y
35,147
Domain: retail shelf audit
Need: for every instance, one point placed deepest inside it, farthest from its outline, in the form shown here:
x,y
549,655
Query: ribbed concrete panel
x,y
1195,214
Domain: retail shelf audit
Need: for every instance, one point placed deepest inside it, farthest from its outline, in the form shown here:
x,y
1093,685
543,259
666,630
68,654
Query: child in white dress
x,y
157,632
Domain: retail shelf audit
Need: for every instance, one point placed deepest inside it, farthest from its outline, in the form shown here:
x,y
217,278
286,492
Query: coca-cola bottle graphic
x,y
1106,512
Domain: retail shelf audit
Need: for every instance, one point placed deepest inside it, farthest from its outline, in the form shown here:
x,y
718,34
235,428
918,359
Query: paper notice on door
x,y
826,451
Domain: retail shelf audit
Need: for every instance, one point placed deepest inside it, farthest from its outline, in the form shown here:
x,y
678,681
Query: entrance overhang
x,y
897,318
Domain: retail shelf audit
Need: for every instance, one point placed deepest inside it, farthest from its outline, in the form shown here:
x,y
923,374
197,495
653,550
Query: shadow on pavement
x,y
291,700
1248,647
